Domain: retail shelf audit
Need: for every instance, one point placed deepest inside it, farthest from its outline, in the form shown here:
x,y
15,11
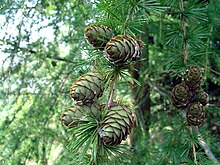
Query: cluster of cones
x,y
118,119
189,95
118,49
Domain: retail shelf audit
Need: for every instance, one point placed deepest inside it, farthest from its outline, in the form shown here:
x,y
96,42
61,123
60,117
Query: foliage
x,y
43,51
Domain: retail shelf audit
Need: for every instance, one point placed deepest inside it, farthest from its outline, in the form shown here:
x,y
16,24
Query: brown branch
x,y
207,53
213,104
185,54
161,91
206,148
111,93
59,59
210,69
193,146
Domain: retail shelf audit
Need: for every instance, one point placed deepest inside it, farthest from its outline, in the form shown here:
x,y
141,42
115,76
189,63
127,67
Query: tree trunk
x,y
141,94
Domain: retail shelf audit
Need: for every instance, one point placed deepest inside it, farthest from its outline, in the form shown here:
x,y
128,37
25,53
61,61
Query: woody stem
x,y
111,93
193,146
185,54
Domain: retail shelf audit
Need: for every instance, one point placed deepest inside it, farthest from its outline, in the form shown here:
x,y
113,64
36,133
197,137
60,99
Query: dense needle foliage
x,y
43,51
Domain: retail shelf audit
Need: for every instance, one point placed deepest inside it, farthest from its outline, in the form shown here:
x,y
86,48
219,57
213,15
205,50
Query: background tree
x,y
43,51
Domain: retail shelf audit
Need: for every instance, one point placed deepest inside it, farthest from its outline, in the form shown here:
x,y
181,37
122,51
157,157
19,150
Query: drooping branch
x,y
202,142
185,56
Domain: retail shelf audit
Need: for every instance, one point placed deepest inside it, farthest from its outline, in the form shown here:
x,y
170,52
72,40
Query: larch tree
x,y
110,82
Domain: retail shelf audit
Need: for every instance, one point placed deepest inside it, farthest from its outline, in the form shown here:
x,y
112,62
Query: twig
x,y
161,91
98,152
193,146
210,69
207,53
185,54
213,105
111,93
160,31
216,72
206,148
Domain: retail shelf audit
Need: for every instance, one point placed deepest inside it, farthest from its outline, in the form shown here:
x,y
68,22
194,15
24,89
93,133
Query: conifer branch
x,y
206,148
207,53
210,69
111,93
204,145
161,26
185,54
193,146
208,152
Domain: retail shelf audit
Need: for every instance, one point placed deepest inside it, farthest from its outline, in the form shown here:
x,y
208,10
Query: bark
x,y
141,97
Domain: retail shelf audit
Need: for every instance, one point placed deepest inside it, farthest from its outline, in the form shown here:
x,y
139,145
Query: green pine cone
x,y
123,48
202,97
76,114
116,125
195,114
181,95
98,35
193,77
88,87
